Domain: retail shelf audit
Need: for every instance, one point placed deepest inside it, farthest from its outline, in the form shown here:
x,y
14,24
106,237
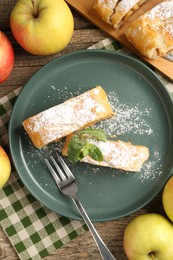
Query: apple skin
x,y
149,237
42,27
6,57
5,167
167,198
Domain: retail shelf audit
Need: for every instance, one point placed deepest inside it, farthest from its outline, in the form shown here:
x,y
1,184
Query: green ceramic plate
x,y
144,116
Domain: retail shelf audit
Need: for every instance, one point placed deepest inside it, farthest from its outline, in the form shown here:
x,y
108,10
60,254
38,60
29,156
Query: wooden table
x,y
83,247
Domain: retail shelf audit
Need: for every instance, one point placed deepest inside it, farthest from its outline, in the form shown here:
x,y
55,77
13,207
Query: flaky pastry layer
x,y
152,33
117,154
74,114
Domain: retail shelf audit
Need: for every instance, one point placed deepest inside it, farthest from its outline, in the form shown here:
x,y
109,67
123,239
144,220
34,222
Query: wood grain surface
x,y
83,247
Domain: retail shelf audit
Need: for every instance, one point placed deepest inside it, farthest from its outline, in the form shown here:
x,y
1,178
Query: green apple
x,y
167,198
149,237
42,27
5,167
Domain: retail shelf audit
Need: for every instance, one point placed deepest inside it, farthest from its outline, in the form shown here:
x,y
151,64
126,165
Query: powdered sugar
x,y
108,3
128,119
149,171
164,13
65,118
133,120
161,11
120,155
125,5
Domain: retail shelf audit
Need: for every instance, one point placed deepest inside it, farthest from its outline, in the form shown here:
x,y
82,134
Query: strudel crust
x,y
152,33
123,10
74,114
117,154
115,12
105,9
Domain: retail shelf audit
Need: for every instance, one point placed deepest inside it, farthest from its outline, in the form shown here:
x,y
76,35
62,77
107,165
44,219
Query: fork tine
x,y
61,173
52,171
65,167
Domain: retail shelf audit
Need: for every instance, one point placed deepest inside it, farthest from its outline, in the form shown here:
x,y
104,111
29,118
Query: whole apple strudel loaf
x,y
115,12
152,33
116,154
74,114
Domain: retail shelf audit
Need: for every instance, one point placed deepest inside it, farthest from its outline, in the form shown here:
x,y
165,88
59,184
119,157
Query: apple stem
x,y
35,9
152,256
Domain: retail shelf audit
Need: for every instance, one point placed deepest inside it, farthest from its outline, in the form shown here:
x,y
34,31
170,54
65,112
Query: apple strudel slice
x,y
115,12
116,154
105,9
152,33
74,114
123,10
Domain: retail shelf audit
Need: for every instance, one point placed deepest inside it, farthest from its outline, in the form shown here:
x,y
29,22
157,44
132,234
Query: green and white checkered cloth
x,y
35,231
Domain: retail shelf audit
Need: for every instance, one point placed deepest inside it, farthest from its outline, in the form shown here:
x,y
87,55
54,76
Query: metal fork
x,y
67,185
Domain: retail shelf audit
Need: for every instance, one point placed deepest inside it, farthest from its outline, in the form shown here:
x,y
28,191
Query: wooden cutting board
x,y
84,7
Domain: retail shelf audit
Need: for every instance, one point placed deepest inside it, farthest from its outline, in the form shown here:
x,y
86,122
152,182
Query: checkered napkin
x,y
35,231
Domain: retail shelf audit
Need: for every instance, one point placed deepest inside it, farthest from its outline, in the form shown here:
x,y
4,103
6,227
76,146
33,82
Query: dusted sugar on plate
x,y
74,114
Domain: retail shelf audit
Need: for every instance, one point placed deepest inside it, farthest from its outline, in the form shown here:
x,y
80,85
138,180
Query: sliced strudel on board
x,y
123,10
105,9
115,12
152,33
72,115
116,154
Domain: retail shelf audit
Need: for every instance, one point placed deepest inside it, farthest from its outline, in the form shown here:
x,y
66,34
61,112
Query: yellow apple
x,y
167,198
149,237
5,167
42,27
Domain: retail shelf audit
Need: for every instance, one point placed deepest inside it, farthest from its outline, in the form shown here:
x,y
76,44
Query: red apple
x,y
6,57
42,27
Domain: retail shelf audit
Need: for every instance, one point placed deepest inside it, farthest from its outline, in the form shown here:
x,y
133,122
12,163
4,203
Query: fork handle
x,y
104,251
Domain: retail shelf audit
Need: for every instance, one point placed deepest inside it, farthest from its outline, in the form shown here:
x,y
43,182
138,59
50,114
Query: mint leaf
x,y
93,133
95,153
77,149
